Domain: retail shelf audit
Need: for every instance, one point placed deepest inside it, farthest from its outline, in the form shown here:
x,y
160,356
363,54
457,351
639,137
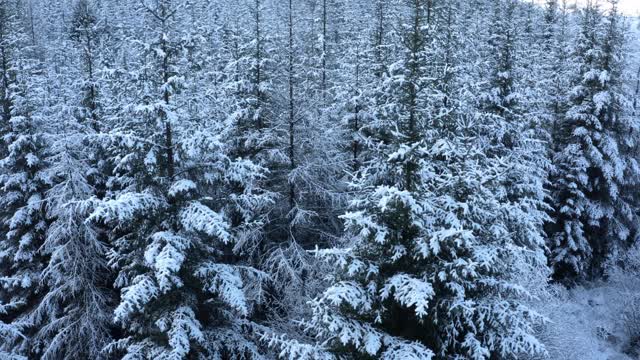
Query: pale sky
x,y
629,7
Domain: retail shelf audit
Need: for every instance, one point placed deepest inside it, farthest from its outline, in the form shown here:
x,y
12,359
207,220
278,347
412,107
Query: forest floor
x,y
601,320
593,322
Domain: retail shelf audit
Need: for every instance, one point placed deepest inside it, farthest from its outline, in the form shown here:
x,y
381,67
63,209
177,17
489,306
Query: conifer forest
x,y
319,179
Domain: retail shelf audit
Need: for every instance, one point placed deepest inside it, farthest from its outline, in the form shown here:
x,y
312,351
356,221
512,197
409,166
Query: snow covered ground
x,y
588,323
596,321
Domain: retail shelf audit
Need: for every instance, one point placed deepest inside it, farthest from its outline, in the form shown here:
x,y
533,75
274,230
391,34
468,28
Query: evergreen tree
x,y
7,46
384,225
84,32
74,316
202,179
24,185
186,289
594,164
436,228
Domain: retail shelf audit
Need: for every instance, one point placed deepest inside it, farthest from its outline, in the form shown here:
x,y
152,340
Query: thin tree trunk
x,y
324,53
168,133
356,118
93,103
292,162
258,67
635,98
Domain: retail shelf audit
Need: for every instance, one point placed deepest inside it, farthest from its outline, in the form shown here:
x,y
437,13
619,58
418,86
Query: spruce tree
x,y
594,163
74,316
187,290
377,318
435,228
24,183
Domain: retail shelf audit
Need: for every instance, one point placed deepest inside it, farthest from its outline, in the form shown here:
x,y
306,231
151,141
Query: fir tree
x,y
24,185
594,164
187,289
434,230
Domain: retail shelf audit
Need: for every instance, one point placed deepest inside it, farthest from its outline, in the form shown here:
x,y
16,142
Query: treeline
x,y
306,179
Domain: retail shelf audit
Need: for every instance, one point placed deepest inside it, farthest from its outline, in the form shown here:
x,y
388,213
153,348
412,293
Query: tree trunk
x,y
292,162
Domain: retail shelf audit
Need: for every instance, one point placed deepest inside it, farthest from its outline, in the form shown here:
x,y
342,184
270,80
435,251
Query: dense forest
x,y
317,179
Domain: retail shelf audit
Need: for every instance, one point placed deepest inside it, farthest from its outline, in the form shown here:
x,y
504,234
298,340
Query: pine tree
x,y
308,168
74,315
513,126
384,224
24,185
84,32
186,290
594,164
249,100
8,50
433,234
353,100
555,43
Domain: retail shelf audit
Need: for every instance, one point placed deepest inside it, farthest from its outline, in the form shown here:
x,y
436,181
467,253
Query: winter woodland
x,y
319,179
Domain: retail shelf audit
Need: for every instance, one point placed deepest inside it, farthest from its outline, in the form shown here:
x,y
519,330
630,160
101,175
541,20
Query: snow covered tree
x,y
248,99
513,132
8,49
556,69
73,315
84,31
389,192
555,44
307,166
594,215
24,183
432,238
187,287
352,99
253,86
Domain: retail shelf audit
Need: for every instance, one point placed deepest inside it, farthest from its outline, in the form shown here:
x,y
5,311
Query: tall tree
x,y
594,164
76,308
186,289
8,48
389,194
24,184
431,240
85,32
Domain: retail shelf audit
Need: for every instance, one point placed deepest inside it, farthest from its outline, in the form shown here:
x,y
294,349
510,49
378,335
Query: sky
x,y
631,7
